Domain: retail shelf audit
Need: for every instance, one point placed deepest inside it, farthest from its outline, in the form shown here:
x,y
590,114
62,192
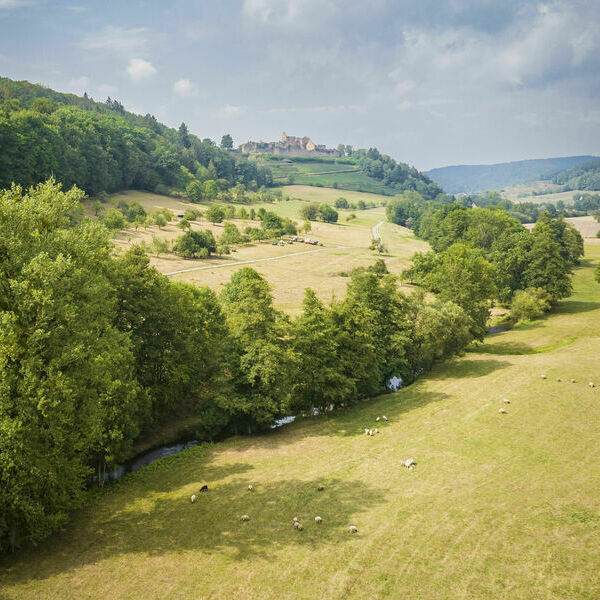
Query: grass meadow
x,y
346,246
499,505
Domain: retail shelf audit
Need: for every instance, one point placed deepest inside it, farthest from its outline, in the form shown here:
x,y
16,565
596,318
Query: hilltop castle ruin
x,y
291,146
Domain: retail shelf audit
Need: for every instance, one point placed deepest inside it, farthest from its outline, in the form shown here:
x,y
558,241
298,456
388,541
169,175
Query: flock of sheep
x,y
409,464
295,521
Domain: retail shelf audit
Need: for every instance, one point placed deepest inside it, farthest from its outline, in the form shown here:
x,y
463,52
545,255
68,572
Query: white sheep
x,y
573,381
352,529
193,498
384,418
506,401
558,379
318,520
370,432
298,525
376,430
544,377
377,419
295,520
244,518
591,384
502,411
409,462
250,488
366,431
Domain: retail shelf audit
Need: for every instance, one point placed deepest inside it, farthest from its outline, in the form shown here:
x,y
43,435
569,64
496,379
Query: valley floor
x,y
498,506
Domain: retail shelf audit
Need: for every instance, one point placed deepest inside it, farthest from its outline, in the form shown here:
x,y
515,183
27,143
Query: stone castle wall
x,y
291,146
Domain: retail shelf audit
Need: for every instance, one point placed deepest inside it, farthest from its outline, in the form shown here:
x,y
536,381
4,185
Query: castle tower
x,y
284,137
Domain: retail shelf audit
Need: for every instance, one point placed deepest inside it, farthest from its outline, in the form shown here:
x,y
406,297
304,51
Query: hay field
x,y
588,227
500,506
346,246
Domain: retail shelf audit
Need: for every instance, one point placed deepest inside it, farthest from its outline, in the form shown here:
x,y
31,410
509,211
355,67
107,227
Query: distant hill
x,y
469,179
581,177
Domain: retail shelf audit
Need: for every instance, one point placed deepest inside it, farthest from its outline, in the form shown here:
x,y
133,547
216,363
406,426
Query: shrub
x,y
114,219
529,304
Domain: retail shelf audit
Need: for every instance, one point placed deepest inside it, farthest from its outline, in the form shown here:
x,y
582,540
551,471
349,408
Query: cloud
x,y
278,12
116,40
10,4
185,88
230,112
78,85
140,69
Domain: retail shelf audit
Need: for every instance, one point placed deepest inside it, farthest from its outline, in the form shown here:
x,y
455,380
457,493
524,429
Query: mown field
x,y
523,192
346,176
499,505
296,266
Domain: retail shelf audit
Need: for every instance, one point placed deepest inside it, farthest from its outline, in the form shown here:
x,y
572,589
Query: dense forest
x,y
581,177
397,175
100,147
96,350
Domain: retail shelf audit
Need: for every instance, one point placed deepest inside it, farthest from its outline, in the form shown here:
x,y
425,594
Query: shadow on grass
x,y
140,521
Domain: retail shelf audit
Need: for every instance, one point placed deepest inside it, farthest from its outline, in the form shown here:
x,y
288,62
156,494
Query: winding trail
x,y
255,260
375,230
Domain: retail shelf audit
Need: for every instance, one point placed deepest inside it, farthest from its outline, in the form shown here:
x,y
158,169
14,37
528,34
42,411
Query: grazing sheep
x,y
366,431
318,520
544,377
298,525
384,418
320,488
377,419
352,529
376,430
204,488
591,384
409,463
506,401
558,379
250,488
244,518
193,498
370,432
573,381
502,411
295,520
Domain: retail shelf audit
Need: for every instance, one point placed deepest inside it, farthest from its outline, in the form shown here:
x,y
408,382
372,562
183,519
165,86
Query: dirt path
x,y
376,234
255,260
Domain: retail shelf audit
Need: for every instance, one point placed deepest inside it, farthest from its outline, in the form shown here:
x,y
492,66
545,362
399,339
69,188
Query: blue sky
x,y
431,83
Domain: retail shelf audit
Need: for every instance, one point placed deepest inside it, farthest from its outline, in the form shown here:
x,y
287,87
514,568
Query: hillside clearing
x,y
499,506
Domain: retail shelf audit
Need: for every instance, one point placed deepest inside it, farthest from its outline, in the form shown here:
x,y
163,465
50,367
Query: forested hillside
x,y
581,177
469,179
99,146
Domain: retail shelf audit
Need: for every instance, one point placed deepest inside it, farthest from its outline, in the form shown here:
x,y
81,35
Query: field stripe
x,y
255,260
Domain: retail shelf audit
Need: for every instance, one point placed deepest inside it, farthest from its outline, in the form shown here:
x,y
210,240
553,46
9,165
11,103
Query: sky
x,y
429,82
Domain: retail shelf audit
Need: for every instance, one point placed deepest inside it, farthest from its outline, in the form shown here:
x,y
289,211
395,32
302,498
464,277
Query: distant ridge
x,y
469,179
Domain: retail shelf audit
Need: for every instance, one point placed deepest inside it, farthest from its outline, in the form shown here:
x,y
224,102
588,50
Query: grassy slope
x,y
500,506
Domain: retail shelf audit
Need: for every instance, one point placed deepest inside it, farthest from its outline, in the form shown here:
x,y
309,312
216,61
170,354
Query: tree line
x,y
97,349
100,147
480,255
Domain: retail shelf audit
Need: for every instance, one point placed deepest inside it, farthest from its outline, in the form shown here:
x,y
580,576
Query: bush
x,y
341,203
114,219
215,214
529,304
328,214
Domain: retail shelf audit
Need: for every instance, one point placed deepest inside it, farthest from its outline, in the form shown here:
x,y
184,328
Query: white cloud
x,y
116,40
230,112
288,11
78,85
140,69
9,4
185,88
